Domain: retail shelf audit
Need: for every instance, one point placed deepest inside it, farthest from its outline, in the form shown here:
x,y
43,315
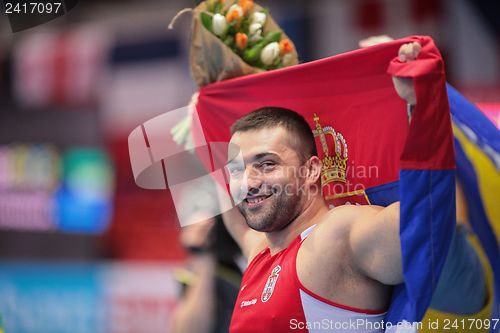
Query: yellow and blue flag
x,y
477,147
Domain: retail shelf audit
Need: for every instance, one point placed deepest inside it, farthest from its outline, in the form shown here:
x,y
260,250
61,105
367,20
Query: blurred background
x,y
82,248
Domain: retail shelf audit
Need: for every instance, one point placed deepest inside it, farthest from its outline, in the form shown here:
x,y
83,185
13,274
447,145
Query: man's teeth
x,y
255,200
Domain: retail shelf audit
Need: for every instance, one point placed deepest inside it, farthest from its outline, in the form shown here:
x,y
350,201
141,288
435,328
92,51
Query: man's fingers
x,y
409,51
416,49
417,46
404,86
404,51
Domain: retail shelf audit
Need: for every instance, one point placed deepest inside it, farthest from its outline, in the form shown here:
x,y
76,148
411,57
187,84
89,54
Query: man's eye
x,y
267,165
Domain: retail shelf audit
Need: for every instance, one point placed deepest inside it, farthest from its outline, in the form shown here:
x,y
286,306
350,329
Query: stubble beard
x,y
276,214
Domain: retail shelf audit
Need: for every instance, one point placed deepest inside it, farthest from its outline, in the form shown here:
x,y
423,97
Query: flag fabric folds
x,y
477,145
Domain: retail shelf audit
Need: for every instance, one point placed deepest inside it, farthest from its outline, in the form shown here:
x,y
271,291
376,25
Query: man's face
x,y
265,183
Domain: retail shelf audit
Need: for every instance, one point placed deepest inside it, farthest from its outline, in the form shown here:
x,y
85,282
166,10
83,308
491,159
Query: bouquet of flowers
x,y
232,38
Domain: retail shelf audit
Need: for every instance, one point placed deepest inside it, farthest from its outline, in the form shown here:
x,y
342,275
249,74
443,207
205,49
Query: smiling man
x,y
311,269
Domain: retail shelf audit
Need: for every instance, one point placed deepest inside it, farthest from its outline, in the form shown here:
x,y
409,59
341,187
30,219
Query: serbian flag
x,y
477,146
371,154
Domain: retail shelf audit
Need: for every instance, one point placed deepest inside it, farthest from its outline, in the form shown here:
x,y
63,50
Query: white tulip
x,y
258,17
269,53
219,24
255,28
255,32
256,36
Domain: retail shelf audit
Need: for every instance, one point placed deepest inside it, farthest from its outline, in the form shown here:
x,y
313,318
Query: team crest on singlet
x,y
270,284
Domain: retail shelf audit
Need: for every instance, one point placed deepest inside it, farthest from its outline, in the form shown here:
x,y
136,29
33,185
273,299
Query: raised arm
x,y
374,241
404,86
407,52
375,246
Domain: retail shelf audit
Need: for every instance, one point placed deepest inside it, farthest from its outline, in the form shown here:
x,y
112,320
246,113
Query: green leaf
x,y
218,7
206,20
229,30
245,25
255,42
252,55
273,36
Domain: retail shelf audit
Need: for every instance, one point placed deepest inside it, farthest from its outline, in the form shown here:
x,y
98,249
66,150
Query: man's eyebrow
x,y
262,156
256,157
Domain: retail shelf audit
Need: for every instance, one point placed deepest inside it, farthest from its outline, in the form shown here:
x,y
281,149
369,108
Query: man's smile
x,y
256,201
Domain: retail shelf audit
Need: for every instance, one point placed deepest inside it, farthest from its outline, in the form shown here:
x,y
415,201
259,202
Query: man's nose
x,y
252,179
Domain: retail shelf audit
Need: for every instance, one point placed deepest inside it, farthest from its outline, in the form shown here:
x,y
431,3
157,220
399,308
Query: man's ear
x,y
314,169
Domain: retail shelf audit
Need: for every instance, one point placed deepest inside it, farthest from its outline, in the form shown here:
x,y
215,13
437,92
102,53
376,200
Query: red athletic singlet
x,y
272,299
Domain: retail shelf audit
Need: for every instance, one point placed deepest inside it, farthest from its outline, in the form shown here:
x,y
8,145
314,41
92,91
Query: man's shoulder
x,y
349,214
338,223
328,245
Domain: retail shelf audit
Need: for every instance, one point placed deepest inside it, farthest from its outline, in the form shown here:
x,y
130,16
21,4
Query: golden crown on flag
x,y
333,167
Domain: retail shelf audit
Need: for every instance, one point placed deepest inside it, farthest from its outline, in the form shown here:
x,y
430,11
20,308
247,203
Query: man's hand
x,y
407,52
404,86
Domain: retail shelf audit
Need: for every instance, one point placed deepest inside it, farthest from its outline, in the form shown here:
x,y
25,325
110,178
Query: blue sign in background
x,y
55,298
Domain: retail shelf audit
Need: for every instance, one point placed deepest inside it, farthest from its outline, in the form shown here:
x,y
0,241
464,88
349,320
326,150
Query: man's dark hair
x,y
302,138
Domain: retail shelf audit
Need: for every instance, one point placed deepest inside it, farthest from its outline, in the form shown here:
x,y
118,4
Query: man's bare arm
x,y
195,312
375,245
374,240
